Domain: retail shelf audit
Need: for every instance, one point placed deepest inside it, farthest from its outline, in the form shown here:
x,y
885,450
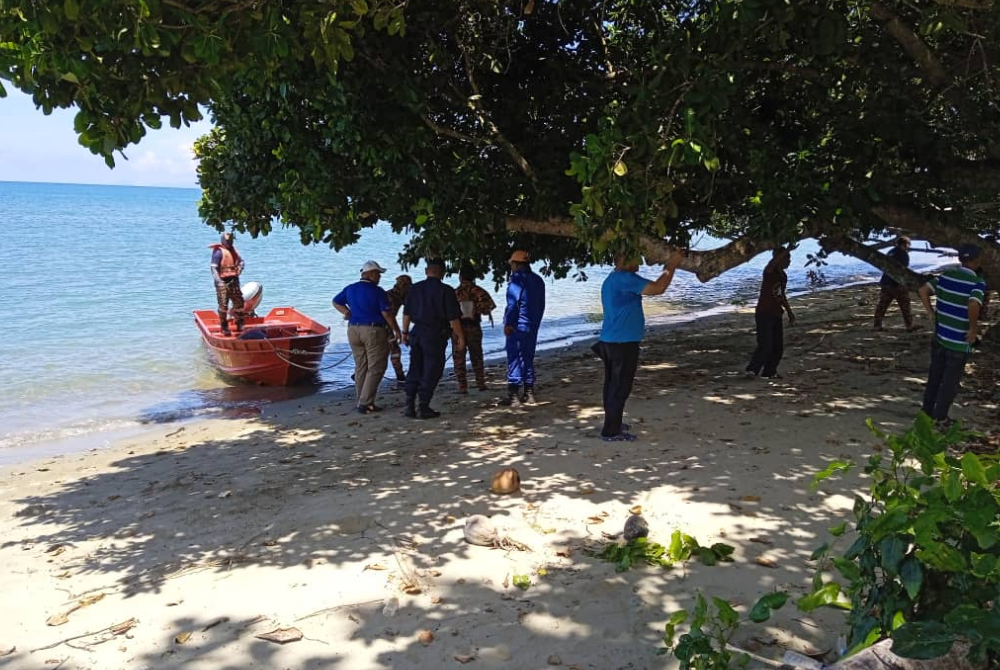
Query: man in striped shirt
x,y
959,300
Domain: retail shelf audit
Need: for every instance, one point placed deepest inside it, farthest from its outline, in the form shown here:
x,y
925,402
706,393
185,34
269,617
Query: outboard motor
x,y
252,294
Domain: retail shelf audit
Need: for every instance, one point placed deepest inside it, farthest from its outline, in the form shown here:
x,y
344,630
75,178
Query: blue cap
x,y
968,252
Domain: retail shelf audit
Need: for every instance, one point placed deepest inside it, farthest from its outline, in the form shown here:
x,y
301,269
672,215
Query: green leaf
x,y
911,573
838,530
952,485
670,629
521,581
834,466
848,569
761,610
727,615
72,9
922,640
892,549
973,470
827,595
819,551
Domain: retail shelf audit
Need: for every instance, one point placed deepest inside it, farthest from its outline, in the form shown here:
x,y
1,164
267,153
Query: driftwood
x,y
879,657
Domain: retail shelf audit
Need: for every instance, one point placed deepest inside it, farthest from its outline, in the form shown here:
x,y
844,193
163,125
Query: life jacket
x,y
229,266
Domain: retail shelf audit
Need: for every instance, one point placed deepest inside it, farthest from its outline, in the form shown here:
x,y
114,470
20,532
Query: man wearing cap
x,y
621,331
474,302
397,296
227,265
891,290
430,317
521,320
960,294
366,307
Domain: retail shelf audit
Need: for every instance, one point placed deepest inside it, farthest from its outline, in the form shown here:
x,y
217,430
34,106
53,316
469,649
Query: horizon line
x,y
75,183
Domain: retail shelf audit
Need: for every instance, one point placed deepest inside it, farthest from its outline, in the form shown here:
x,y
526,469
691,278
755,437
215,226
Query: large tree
x,y
589,126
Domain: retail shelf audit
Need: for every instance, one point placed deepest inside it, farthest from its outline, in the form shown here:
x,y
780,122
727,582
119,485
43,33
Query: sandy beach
x,y
176,549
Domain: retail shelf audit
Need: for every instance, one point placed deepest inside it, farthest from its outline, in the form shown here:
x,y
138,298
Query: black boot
x,y
224,322
513,397
529,395
411,407
239,324
427,413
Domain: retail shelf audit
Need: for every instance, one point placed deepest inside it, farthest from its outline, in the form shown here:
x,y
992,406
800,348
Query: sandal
x,y
620,437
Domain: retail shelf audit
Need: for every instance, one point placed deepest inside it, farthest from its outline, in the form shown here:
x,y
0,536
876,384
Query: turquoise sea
x,y
97,284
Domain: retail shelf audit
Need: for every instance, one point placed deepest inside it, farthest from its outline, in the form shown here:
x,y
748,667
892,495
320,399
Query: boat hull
x,y
283,348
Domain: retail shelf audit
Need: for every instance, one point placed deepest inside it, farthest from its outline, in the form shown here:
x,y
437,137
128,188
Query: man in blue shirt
x,y
523,316
366,307
621,332
433,310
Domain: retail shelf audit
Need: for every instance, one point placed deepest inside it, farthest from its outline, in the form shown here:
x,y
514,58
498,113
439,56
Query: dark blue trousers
x,y
427,358
521,358
943,380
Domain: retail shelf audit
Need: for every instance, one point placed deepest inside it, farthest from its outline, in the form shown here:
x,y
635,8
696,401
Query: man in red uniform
x,y
226,269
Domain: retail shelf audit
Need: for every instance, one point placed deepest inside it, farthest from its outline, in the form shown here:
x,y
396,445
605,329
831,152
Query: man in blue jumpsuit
x,y
433,311
523,316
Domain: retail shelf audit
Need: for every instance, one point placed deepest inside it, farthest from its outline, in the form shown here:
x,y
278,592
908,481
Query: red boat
x,y
284,347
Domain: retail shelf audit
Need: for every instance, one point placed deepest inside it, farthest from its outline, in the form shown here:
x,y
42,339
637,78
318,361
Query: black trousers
x,y
427,358
943,380
621,360
770,345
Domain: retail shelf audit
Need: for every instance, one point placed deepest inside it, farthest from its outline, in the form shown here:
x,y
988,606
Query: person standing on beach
x,y
621,332
474,302
366,307
432,309
397,296
227,266
521,320
768,316
891,290
960,294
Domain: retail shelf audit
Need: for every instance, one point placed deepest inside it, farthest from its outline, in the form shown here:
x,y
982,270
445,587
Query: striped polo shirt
x,y
954,289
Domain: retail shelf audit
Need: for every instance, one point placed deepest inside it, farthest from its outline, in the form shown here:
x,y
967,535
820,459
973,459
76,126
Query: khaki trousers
x,y
370,346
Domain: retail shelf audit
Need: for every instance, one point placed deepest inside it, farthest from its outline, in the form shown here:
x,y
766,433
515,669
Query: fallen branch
x,y
119,627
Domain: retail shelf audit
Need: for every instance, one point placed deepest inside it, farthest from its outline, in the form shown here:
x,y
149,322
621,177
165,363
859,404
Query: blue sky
x,y
35,147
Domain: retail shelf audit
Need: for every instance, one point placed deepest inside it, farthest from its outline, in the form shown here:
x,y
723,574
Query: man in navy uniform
x,y
521,320
433,311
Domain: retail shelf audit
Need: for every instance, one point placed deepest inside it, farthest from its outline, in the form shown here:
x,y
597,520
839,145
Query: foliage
x,y
626,119
924,568
703,646
522,582
681,548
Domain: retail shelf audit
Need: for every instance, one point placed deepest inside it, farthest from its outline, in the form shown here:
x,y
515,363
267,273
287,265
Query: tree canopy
x,y
579,129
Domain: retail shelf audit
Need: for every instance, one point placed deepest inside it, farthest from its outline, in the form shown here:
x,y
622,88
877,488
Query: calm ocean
x,y
97,284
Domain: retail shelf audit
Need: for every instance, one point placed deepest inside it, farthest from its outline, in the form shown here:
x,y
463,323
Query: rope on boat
x,y
280,354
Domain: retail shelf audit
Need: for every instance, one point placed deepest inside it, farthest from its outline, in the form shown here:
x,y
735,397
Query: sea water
x,y
97,286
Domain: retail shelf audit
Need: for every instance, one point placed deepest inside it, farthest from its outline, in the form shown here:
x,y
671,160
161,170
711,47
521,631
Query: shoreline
x,y
349,528
134,426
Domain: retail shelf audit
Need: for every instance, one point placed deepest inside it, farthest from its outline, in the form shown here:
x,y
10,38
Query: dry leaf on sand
x,y
766,562
282,635
7,651
636,510
464,658
375,566
63,617
425,637
181,638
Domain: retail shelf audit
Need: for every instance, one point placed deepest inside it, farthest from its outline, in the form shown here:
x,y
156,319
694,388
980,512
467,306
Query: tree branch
x,y
913,45
705,265
449,132
872,256
966,4
484,118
